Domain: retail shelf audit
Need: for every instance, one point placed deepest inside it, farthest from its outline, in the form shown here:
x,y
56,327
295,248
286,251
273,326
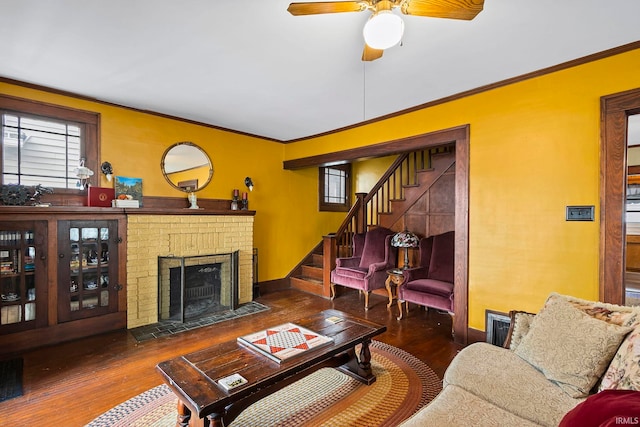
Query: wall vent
x,y
497,327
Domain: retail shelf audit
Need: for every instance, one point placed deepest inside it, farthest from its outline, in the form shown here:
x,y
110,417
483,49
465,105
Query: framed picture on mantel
x,y
128,188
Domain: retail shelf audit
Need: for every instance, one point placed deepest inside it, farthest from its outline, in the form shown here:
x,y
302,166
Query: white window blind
x,y
40,151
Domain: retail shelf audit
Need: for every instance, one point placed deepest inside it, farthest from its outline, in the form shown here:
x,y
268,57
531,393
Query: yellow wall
x,y
534,148
287,223
367,173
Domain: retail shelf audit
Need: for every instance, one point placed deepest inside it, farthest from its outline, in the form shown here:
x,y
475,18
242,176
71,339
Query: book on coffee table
x,y
284,341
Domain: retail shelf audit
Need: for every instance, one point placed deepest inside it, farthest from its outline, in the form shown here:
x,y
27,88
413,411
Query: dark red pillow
x,y
606,409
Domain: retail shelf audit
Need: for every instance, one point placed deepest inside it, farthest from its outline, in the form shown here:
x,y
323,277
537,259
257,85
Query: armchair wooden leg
x,y
333,291
366,300
453,318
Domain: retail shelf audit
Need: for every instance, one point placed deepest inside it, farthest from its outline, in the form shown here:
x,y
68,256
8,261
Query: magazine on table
x,y
284,341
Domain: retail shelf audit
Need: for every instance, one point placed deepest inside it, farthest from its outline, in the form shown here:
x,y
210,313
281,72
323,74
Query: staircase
x,y
308,274
405,182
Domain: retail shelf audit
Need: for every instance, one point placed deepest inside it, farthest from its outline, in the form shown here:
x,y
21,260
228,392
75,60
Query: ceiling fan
x,y
384,29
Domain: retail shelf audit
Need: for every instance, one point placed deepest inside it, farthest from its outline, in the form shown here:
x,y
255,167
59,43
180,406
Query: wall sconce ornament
x,y
107,170
249,183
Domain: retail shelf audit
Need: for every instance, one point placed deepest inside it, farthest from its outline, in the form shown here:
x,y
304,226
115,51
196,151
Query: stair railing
x,y
364,212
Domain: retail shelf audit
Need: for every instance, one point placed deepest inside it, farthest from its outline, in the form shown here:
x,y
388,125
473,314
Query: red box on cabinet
x,y
100,196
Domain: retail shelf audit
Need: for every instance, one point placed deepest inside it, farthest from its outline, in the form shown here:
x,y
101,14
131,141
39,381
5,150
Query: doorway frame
x,y
614,111
460,137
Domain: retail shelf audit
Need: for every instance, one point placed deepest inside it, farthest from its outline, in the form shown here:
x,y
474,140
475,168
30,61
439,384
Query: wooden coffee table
x,y
193,377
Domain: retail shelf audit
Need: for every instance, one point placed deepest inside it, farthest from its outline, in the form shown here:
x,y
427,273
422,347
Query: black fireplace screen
x,y
197,286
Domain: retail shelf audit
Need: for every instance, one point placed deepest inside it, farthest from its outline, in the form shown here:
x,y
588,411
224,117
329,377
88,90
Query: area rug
x,y
327,397
10,379
170,327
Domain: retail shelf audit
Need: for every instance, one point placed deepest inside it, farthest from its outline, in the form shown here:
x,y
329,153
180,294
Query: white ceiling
x,y
250,66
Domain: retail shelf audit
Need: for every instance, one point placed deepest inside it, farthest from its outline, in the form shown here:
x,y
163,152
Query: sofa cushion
x,y
503,379
570,347
431,286
606,409
456,407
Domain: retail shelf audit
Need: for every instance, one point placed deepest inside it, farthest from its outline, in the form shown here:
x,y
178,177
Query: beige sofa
x,y
553,361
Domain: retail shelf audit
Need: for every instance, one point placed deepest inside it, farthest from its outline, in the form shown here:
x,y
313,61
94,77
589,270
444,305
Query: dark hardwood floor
x,y
71,383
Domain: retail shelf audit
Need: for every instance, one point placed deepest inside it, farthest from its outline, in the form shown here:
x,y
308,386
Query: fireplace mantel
x,y
94,211
185,211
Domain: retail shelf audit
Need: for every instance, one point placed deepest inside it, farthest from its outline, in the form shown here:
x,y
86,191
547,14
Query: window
x,y
43,143
335,188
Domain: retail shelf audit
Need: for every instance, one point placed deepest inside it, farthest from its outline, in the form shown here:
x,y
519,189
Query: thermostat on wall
x,y
580,213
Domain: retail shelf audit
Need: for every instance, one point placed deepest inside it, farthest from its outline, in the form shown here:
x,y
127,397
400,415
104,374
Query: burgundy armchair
x,y
367,269
430,284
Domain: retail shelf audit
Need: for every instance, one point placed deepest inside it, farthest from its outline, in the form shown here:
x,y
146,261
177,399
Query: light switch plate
x,y
580,213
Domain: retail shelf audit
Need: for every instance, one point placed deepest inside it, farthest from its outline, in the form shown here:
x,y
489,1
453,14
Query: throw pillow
x,y
520,324
605,409
624,371
571,348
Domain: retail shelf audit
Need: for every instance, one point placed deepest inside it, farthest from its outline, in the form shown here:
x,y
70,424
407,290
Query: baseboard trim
x,y
274,285
475,335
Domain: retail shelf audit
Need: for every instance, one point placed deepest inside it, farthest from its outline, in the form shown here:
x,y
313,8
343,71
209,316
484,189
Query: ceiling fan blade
x,y
314,8
453,9
371,54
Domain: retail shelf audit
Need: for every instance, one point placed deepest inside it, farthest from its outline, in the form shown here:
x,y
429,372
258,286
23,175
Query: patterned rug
x,y
327,397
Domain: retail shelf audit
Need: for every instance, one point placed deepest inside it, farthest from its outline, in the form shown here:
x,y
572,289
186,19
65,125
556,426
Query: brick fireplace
x,y
153,236
195,286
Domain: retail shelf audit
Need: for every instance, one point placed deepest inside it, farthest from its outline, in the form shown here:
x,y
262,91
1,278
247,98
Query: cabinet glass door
x,y
87,277
20,260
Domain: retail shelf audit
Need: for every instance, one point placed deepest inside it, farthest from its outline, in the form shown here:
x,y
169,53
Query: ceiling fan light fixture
x,y
383,30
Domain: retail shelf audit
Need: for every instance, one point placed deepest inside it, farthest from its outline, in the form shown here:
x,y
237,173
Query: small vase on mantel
x,y
234,201
245,202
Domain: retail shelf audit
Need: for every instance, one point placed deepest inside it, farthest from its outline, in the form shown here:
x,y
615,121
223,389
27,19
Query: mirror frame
x,y
166,175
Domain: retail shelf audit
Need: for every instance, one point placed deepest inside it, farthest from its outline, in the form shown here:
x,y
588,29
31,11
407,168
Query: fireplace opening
x,y
197,286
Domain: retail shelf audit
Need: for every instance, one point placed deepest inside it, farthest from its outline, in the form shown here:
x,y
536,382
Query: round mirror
x,y
186,167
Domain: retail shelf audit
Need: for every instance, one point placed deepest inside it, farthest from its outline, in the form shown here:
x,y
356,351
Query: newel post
x,y
361,214
329,249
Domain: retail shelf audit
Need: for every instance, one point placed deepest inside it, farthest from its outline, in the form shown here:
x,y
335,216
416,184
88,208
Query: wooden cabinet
x,y
23,273
63,274
88,281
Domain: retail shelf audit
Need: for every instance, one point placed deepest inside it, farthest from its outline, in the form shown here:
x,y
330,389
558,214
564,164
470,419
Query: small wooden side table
x,y
394,277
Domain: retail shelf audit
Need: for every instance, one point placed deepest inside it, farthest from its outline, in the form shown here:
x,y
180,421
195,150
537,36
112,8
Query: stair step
x,y
317,259
307,284
312,271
